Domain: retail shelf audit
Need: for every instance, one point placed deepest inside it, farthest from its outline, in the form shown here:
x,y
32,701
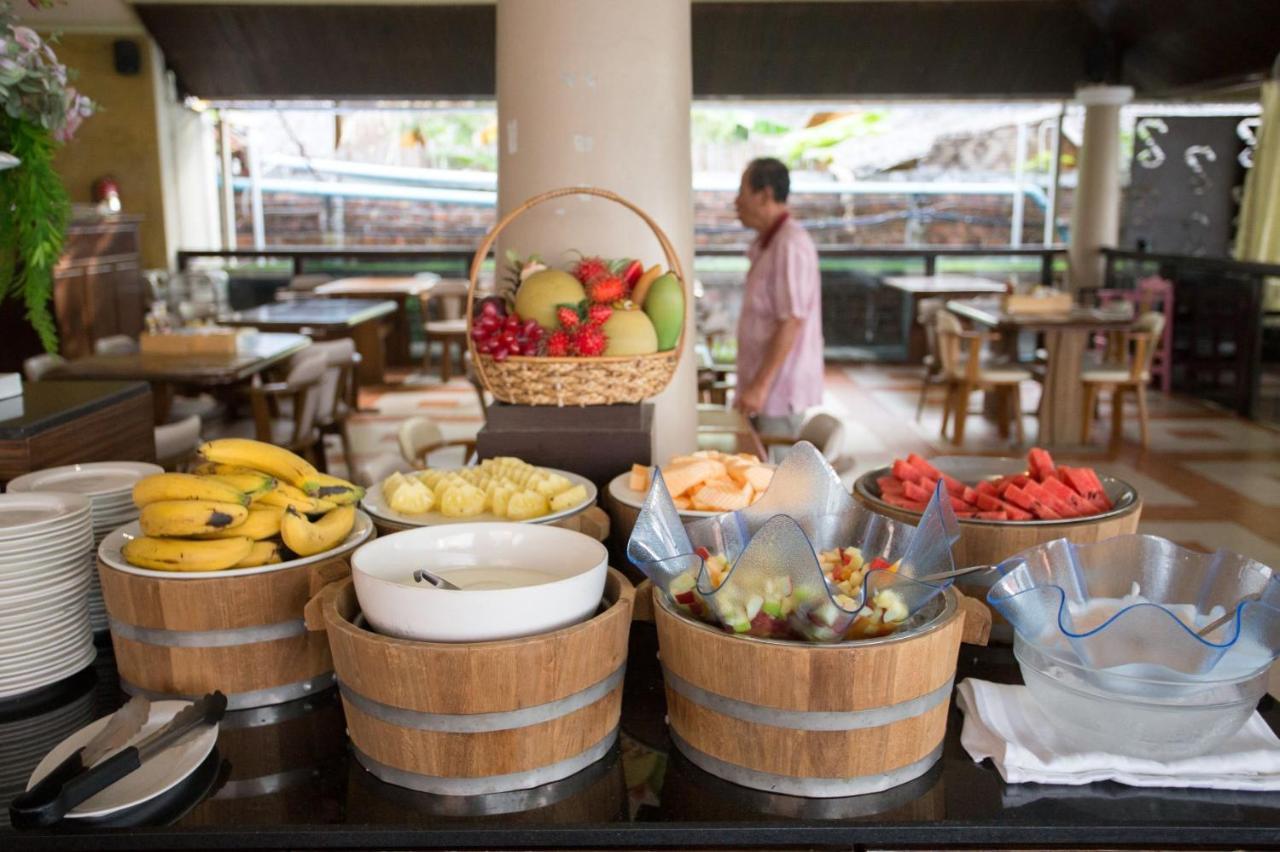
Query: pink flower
x,y
27,38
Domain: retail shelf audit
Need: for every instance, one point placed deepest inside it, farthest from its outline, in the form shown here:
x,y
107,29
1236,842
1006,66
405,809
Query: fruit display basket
x,y
183,634
561,381
479,718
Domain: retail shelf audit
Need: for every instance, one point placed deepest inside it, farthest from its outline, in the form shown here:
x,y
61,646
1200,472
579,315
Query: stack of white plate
x,y
109,487
46,547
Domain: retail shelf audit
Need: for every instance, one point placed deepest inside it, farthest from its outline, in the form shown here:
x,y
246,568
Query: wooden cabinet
x,y
98,288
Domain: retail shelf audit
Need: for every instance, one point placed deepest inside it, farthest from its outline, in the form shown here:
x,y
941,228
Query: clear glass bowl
x,y
1154,717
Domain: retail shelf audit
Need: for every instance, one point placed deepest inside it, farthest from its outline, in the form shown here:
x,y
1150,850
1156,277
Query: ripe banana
x,y
263,522
307,539
268,458
185,486
190,517
251,482
285,496
332,488
180,554
262,553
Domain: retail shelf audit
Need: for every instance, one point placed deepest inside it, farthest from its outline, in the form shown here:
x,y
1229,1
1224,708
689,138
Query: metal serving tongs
x,y
951,575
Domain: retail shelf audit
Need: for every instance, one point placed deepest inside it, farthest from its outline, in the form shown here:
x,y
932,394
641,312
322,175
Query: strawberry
x,y
568,318
588,269
558,344
599,314
588,341
606,289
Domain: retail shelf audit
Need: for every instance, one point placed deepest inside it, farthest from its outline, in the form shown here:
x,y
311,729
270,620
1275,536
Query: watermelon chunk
x,y
905,472
1043,497
986,486
954,487
993,516
888,485
1077,504
1041,463
969,495
916,492
923,466
959,504
904,503
1024,500
1086,483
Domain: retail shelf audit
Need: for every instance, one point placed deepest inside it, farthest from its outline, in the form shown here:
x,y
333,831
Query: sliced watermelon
x,y
959,504
923,466
969,495
993,516
906,472
1018,497
904,503
1044,498
1021,498
1078,505
954,487
1085,483
986,486
916,492
888,485
1041,463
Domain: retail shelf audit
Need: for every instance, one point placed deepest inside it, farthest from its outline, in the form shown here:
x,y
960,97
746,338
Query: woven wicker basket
x,y
527,380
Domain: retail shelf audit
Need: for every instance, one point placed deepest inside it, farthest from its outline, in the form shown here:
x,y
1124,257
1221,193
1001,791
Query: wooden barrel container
x,y
805,719
244,635
472,719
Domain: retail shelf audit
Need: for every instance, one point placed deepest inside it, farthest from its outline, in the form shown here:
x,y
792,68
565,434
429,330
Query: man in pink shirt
x,y
780,328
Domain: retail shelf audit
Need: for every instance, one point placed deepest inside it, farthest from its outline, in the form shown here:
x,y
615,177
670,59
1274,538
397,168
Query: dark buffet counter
x,y
282,777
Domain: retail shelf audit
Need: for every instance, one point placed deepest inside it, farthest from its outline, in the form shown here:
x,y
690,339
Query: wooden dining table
x,y
401,289
728,430
255,352
917,288
361,320
1066,337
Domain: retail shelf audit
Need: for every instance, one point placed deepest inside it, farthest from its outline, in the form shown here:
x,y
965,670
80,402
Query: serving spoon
x,y
1230,616
422,575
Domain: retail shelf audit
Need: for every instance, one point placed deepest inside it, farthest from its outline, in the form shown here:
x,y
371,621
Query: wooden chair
x,y
177,442
116,344
960,353
926,313
450,328
421,436
1151,294
1133,377
35,367
822,429
338,391
297,430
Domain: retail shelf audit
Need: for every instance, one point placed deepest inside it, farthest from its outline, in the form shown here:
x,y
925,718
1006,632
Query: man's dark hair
x,y
772,173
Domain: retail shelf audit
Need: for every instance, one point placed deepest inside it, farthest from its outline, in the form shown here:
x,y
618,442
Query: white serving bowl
x,y
572,568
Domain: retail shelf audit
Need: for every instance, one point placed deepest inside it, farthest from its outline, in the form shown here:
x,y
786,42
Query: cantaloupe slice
x,y
639,479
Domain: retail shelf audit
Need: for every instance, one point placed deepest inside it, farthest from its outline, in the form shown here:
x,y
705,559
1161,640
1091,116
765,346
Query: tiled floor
x,y
1208,479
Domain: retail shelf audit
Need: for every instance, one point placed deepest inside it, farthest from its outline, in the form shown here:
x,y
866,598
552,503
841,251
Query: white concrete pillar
x,y
1095,217
598,93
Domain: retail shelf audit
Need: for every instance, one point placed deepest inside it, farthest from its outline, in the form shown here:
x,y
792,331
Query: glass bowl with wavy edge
x,y
1107,641
774,587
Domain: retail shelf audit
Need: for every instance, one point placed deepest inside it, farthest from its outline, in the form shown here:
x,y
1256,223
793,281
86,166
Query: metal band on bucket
x,y
245,700
816,788
808,720
476,723
488,784
209,638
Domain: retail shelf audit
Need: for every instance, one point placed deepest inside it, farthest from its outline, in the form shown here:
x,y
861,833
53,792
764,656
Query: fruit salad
x,y
778,610
505,487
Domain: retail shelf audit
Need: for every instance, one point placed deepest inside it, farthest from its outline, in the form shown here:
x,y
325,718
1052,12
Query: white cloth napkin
x,y
1004,722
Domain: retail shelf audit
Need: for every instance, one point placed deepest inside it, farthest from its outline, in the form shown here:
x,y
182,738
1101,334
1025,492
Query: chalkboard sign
x,y
1185,183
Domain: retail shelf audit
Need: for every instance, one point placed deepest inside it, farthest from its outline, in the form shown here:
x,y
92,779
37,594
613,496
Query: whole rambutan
x,y
588,269
558,343
589,341
606,290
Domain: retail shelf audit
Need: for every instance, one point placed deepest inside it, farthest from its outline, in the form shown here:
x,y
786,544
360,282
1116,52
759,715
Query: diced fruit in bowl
x,y
1045,492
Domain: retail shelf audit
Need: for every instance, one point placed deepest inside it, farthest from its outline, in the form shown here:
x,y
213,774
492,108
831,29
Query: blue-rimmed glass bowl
x,y
1107,641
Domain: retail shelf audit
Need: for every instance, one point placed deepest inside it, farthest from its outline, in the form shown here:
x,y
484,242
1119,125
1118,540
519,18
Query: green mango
x,y
664,304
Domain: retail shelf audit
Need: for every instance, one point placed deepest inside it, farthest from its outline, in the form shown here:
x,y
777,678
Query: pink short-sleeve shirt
x,y
783,282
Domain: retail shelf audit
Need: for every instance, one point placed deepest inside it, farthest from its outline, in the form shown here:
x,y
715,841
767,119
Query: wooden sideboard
x,y
98,288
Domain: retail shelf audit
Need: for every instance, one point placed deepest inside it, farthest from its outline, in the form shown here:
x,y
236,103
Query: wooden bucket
x,y
244,635
473,719
811,720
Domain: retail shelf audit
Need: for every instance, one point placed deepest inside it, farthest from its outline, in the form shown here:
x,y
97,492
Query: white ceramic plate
x,y
26,515
16,612
90,479
375,504
163,772
46,551
109,553
35,679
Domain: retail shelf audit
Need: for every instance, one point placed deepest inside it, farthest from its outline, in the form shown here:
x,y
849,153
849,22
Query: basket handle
x,y
673,260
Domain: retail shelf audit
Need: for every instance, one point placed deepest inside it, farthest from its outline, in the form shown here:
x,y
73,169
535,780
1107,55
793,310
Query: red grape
x,y
500,353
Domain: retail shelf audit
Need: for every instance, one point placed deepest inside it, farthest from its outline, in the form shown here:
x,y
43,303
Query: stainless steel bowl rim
x,y
949,606
1126,501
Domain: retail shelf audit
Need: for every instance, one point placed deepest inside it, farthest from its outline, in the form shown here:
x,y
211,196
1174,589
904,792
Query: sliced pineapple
x,y
526,505
463,501
412,498
569,498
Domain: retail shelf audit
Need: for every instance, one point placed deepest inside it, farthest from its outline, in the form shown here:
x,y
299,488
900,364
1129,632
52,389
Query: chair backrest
x,y
1150,324
35,367
199,293
927,317
370,473
176,442
450,296
339,356
947,328
826,432
416,434
309,282
305,375
116,344
1154,294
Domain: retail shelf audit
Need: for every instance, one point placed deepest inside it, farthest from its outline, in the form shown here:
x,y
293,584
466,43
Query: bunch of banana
x,y
244,506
